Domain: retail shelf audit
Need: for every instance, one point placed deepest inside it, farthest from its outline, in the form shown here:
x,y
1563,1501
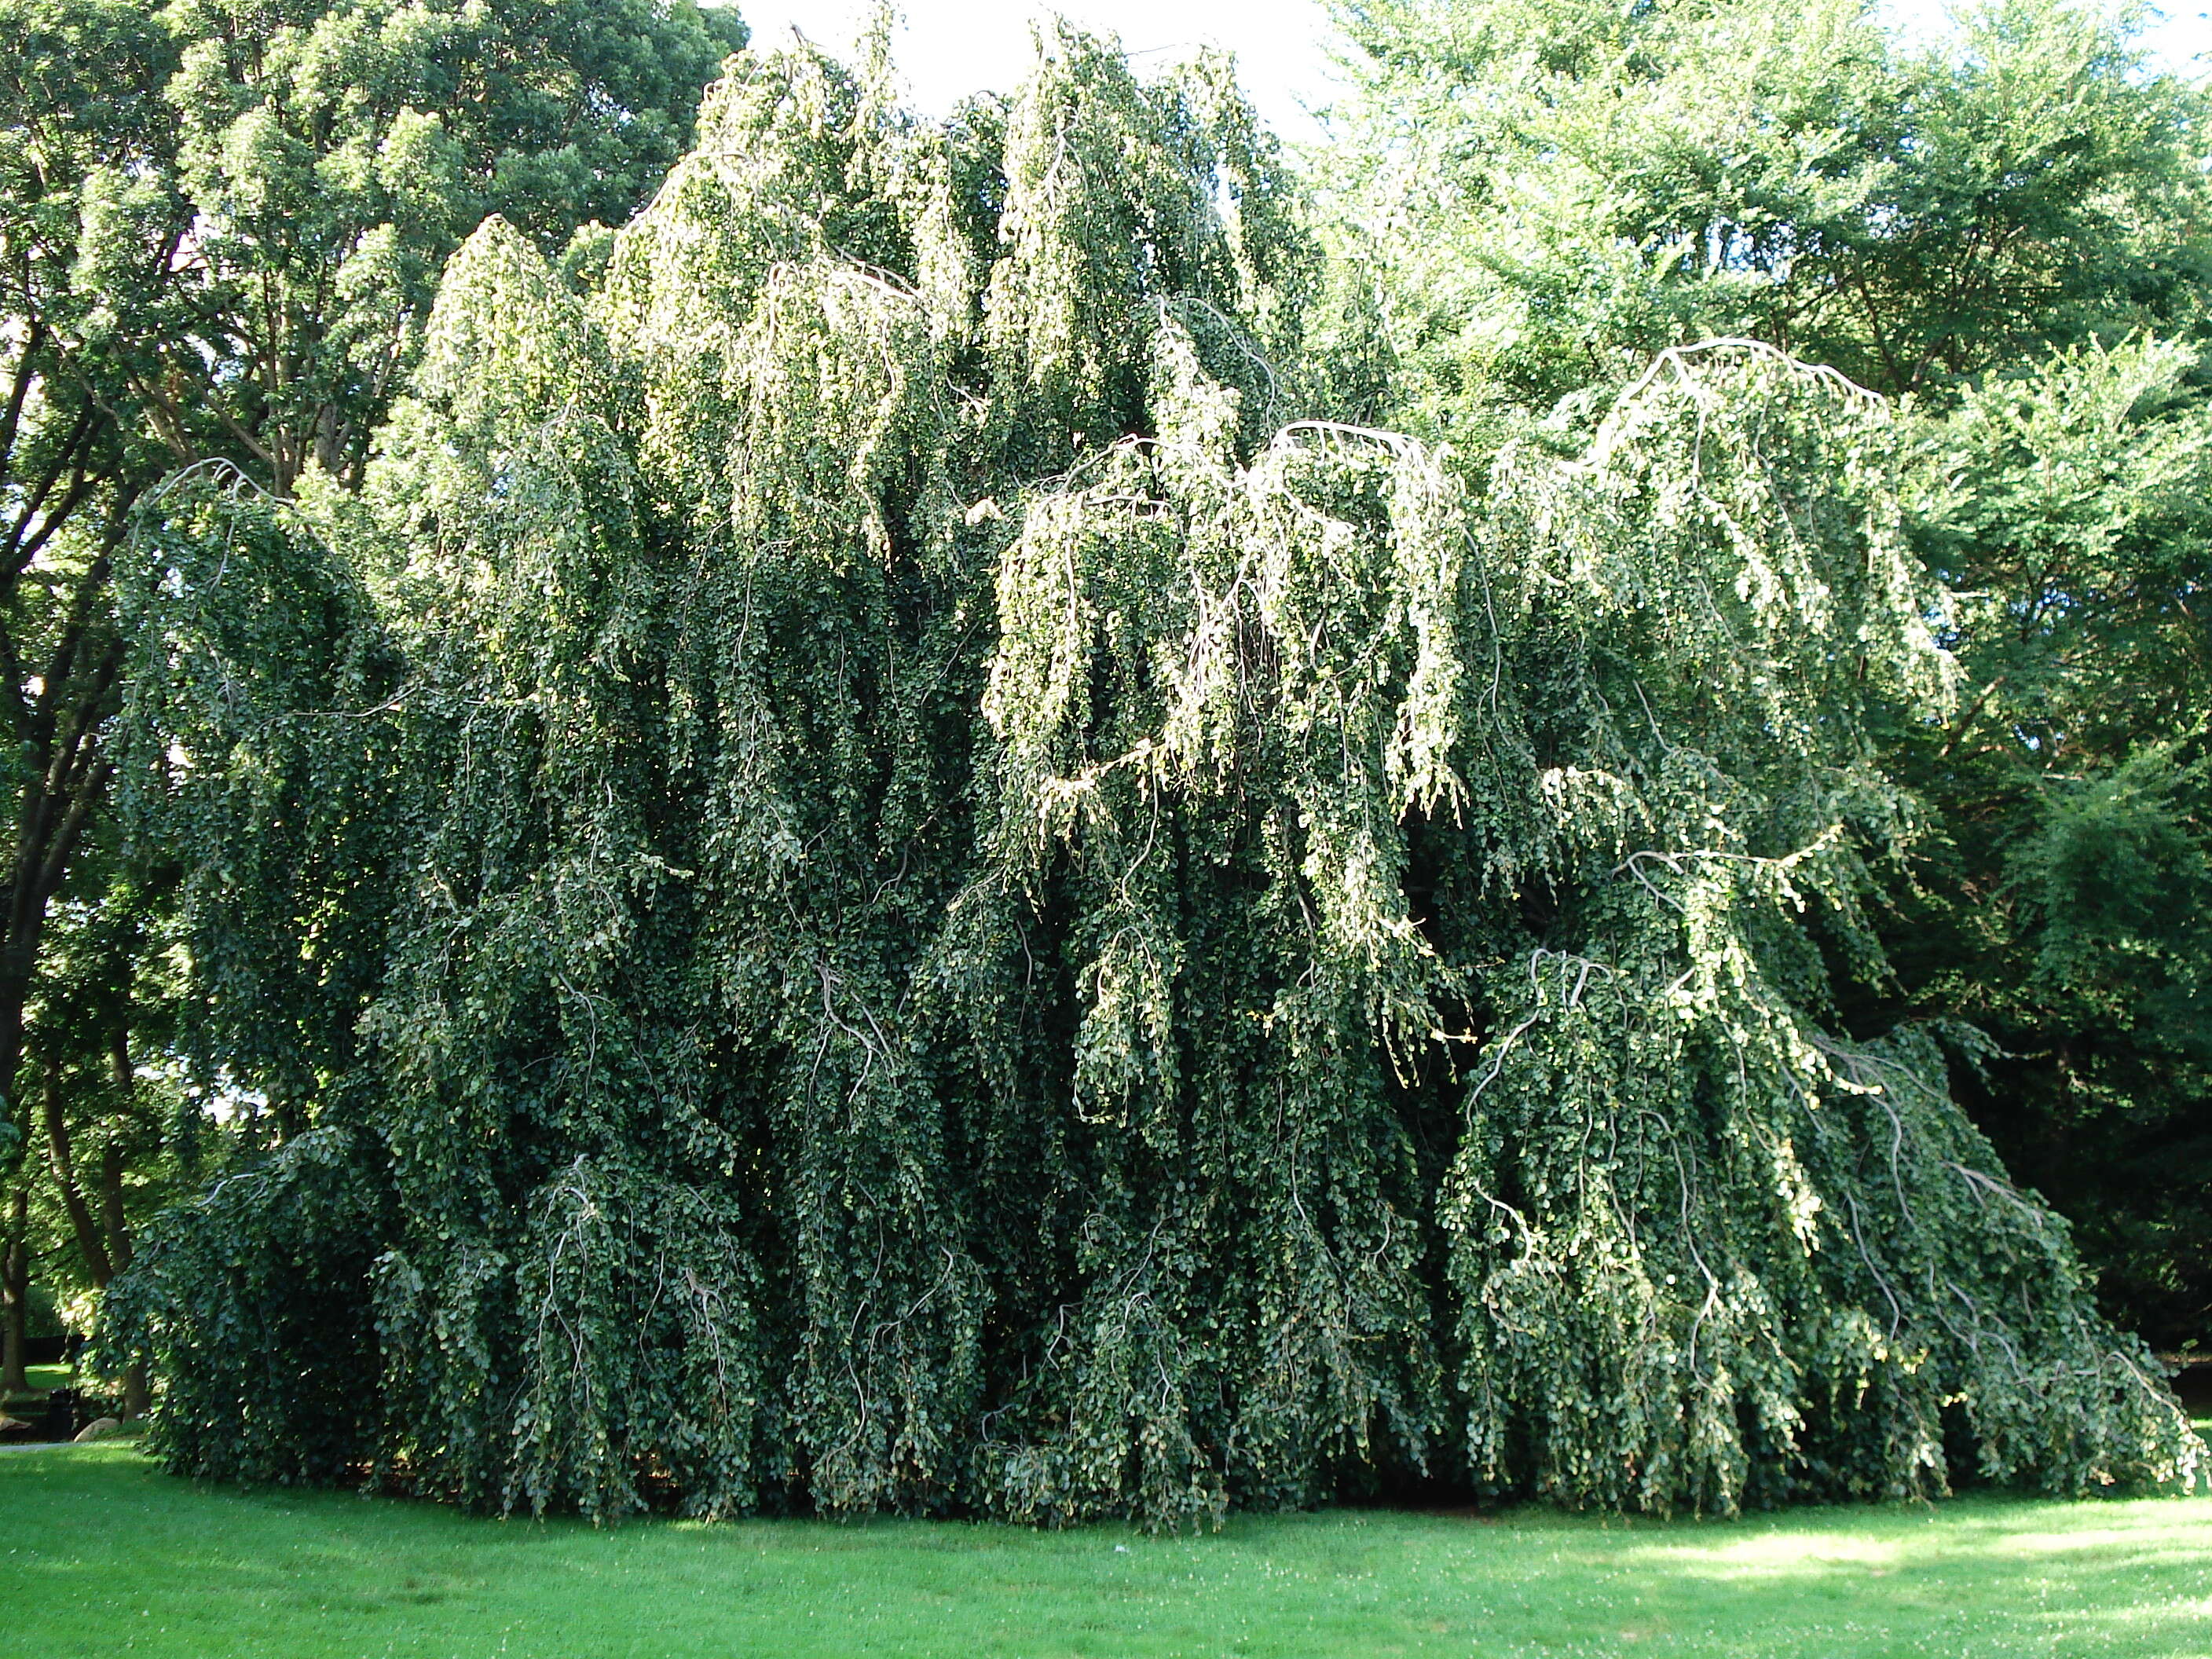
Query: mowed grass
x,y
102,1554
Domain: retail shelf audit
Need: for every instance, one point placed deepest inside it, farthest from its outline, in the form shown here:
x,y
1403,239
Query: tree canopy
x,y
221,226
900,872
1563,189
2007,226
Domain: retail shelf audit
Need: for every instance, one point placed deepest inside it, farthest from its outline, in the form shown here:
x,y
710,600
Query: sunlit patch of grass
x,y
1799,1552
101,1554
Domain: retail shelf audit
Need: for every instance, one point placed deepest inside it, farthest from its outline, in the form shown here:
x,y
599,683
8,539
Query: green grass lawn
x,y
46,1376
101,1554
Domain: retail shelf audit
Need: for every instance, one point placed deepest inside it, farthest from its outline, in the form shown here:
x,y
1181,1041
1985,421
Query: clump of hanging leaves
x,y
895,878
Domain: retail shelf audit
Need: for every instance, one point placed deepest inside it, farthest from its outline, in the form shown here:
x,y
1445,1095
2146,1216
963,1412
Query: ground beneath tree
x,y
2192,1386
104,1555
54,1409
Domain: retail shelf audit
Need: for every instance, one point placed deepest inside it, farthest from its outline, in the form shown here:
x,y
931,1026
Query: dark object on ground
x,y
2192,1385
62,1420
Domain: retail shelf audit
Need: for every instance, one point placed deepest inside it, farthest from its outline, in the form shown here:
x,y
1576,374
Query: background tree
x,y
2061,908
328,158
223,224
1561,191
83,106
1999,223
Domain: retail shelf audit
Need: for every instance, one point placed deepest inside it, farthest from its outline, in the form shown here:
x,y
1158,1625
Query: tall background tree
x,y
223,226
2010,224
1561,190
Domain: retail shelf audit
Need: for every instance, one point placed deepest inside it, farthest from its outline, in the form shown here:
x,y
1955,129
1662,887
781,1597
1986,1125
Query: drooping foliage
x,y
2006,217
222,224
2063,910
921,888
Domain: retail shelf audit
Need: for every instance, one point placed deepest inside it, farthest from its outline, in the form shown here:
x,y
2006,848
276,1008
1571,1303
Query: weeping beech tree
x,y
893,879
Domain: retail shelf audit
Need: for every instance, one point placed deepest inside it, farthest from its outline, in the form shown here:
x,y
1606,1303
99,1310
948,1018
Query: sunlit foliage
x,y
922,888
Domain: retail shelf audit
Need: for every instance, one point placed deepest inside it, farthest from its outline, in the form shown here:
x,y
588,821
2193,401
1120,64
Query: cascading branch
x,y
920,890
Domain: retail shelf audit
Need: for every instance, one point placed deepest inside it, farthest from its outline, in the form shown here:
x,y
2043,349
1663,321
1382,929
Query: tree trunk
x,y
16,1291
99,1267
114,1221
104,1243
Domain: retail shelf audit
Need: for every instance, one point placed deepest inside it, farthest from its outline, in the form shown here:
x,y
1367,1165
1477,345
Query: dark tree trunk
x,y
114,1223
99,1267
104,1242
15,1291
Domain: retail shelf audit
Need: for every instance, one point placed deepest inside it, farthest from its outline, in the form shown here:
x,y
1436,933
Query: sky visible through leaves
x,y
948,48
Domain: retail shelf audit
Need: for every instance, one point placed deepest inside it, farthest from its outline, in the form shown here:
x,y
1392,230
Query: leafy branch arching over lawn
x,y
965,903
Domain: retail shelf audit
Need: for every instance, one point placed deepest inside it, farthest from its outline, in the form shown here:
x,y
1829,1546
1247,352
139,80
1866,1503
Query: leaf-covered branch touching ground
x,y
956,899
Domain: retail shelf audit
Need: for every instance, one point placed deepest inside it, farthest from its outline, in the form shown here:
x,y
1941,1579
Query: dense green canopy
x,y
905,881
222,224
1561,187
2006,221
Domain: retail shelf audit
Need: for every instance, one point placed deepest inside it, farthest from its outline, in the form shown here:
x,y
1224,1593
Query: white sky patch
x,y
2177,38
950,48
